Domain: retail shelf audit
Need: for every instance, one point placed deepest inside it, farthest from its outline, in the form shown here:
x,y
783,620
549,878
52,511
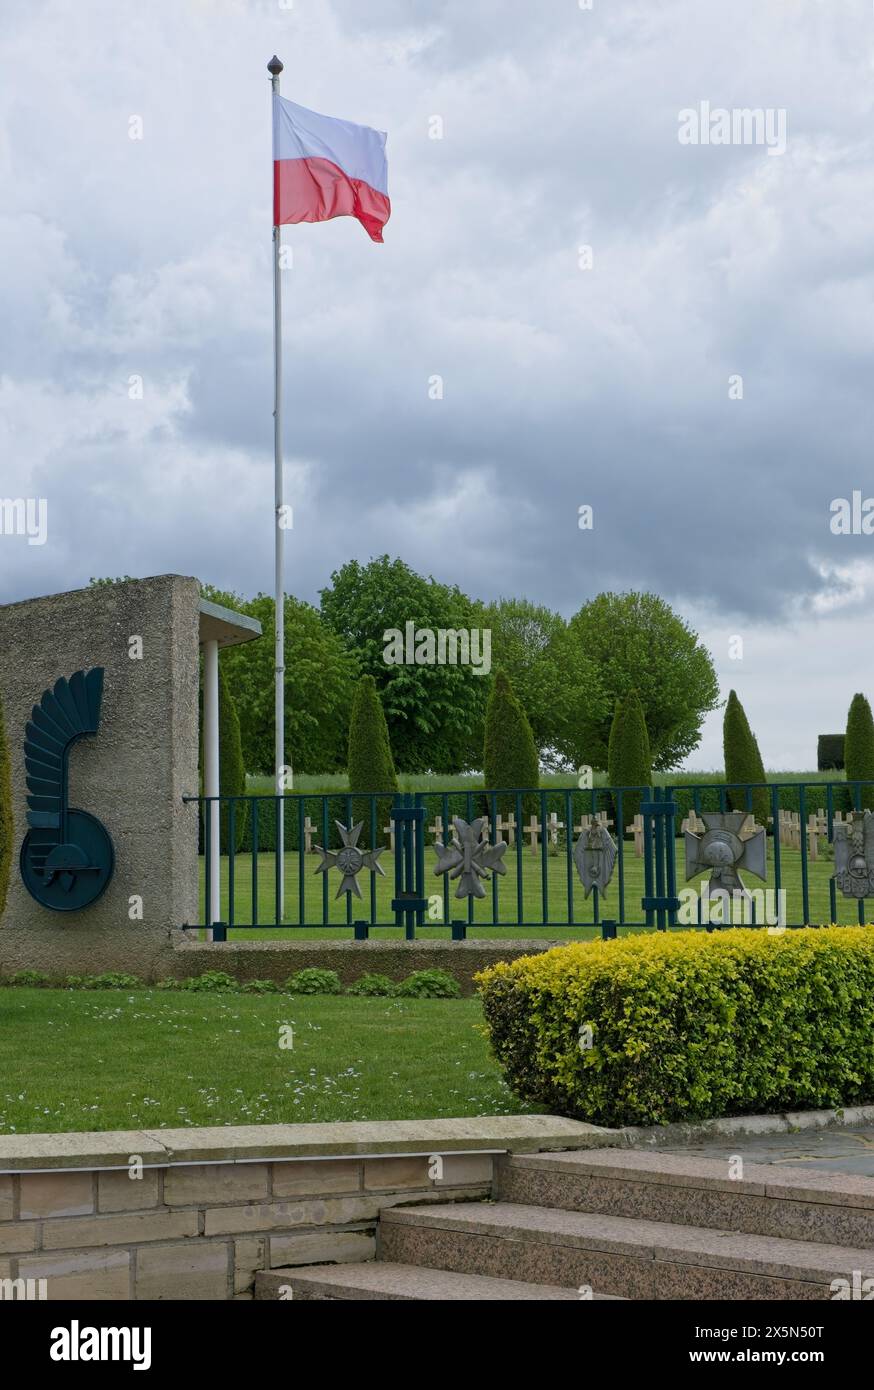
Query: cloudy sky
x,y
615,386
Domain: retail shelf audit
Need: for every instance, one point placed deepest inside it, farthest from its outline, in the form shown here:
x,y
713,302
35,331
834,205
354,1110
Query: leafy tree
x,y
743,761
859,746
434,712
638,642
628,761
319,683
510,754
551,677
6,823
371,768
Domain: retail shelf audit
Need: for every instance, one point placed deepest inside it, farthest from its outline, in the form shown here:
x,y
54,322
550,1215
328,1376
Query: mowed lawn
x,y
501,903
115,1059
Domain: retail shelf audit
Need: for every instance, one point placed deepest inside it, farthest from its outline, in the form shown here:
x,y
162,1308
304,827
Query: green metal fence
x,y
540,888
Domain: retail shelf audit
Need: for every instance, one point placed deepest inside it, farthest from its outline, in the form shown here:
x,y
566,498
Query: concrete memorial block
x,y
100,692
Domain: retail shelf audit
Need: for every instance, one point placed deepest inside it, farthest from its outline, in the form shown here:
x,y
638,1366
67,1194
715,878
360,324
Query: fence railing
x,y
385,876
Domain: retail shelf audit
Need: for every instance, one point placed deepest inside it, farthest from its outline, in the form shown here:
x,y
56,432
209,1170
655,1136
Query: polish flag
x,y
324,168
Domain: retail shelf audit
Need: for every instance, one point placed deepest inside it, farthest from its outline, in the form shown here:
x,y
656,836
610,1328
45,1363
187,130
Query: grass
x,y
112,1059
320,902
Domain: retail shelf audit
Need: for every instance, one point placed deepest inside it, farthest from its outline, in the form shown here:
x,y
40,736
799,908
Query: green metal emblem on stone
x,y
67,856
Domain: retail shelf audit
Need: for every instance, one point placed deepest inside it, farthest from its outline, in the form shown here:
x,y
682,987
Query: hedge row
x,y
688,1025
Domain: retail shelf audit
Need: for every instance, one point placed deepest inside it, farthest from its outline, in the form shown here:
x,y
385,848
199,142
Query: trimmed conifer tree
x,y
743,762
629,762
371,765
6,824
859,747
510,753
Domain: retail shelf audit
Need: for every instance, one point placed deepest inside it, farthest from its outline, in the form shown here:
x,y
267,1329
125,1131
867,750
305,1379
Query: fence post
x,y
409,904
659,813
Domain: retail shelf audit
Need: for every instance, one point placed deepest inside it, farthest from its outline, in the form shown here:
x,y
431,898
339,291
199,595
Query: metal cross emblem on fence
x,y
469,858
350,860
721,850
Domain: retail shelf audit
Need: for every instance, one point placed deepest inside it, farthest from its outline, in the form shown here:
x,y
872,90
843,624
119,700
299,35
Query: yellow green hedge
x,y
688,1025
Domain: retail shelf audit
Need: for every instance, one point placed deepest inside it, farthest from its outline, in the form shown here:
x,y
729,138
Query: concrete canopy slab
x,y
225,625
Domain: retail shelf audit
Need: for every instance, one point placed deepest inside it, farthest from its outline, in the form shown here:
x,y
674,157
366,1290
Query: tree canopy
x,y
637,641
550,675
434,712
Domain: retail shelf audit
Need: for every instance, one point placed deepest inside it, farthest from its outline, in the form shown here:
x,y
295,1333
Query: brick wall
x,y
207,1208
201,1231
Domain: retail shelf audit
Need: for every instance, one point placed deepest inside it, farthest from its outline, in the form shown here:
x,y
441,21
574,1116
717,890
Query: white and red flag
x,y
324,168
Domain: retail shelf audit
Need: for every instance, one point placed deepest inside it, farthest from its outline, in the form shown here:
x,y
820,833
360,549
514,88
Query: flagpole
x,y
274,67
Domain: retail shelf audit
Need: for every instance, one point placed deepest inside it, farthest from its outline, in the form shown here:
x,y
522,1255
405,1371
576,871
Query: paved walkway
x,y
849,1150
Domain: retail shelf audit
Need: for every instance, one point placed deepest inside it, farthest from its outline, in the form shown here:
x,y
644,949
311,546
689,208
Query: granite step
x,y
375,1280
625,1256
806,1204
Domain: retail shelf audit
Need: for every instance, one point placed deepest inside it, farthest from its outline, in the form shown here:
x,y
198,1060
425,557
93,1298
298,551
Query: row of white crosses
x,y
789,829
817,828
503,826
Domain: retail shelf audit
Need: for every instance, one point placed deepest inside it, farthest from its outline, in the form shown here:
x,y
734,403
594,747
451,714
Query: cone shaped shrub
x,y
859,749
743,762
628,756
510,754
371,766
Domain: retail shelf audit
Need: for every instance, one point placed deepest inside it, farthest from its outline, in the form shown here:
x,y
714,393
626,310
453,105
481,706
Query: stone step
x,y
399,1281
769,1200
624,1256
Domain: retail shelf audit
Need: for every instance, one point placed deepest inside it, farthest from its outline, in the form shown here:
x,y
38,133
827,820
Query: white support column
x,y
211,774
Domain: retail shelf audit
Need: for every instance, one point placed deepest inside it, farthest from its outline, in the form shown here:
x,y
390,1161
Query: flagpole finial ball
x,y
274,67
